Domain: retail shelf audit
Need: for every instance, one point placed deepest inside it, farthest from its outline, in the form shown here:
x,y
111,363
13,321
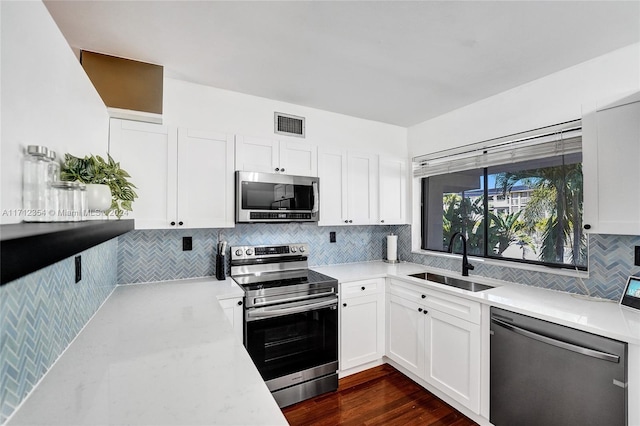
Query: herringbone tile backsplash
x,y
41,314
156,255
610,264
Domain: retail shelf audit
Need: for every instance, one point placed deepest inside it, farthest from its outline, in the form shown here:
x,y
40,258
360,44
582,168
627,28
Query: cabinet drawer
x,y
407,290
361,288
465,309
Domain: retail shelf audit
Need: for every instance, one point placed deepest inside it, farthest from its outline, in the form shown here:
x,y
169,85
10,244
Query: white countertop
x,y
605,318
164,353
346,272
155,354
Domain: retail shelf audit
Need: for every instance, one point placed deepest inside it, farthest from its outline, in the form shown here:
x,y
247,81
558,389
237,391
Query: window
x,y
523,204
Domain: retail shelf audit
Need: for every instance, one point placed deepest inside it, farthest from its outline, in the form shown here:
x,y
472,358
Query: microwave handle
x,y
315,197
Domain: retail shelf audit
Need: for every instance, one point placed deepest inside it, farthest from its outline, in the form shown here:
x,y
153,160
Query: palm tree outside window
x,y
524,211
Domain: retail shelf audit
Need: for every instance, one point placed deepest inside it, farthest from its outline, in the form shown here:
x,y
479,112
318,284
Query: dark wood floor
x,y
378,396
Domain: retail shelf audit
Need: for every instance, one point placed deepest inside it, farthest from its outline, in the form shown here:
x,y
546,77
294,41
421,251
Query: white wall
x,y
203,107
550,100
47,99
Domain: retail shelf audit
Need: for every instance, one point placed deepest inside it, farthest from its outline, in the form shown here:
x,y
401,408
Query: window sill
x,y
506,264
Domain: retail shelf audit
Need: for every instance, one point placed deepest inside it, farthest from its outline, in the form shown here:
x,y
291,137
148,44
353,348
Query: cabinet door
x,y
611,155
234,312
362,332
332,171
205,179
405,334
257,154
453,357
148,153
393,192
362,189
298,158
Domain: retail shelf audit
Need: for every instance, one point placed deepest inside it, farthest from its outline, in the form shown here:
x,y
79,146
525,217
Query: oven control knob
x,y
293,249
238,252
301,249
249,252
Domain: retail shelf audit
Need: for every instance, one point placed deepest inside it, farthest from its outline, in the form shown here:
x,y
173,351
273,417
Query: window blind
x,y
551,141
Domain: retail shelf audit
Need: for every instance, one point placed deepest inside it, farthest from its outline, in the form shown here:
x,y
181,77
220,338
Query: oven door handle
x,y
269,312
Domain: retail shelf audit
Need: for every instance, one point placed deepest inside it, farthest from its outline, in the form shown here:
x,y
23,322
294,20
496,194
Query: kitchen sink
x,y
453,282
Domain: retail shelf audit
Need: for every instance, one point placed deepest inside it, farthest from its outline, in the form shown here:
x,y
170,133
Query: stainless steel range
x,y
290,320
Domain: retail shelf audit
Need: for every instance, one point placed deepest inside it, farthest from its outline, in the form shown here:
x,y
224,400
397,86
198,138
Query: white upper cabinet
x,y
298,158
332,170
184,177
611,159
271,156
256,154
393,192
205,179
348,188
148,152
362,188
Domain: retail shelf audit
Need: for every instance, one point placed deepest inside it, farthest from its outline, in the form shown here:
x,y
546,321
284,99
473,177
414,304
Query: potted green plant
x,y
93,169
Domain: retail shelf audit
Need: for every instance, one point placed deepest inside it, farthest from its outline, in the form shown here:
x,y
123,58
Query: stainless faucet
x,y
465,261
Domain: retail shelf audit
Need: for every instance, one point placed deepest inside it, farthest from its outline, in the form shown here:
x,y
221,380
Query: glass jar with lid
x,y
36,184
54,176
70,201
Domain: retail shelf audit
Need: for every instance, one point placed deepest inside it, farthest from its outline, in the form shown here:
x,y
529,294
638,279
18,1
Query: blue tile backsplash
x,y
42,312
610,264
156,255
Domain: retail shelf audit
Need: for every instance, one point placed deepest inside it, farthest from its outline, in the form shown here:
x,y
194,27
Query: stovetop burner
x,y
281,279
275,274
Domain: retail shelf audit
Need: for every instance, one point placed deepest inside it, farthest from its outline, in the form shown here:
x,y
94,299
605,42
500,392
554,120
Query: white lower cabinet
x,y
436,336
405,334
453,357
361,322
234,311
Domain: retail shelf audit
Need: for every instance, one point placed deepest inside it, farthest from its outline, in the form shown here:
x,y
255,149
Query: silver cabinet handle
x,y
557,343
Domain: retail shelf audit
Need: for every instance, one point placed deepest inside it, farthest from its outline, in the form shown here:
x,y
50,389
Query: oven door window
x,y
291,343
276,196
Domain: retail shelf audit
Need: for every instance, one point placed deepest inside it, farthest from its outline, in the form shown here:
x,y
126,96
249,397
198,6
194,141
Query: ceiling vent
x,y
289,125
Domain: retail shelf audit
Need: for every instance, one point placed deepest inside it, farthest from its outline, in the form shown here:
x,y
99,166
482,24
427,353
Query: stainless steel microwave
x,y
271,197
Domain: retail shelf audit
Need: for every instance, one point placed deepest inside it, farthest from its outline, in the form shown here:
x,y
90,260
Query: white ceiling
x,y
392,61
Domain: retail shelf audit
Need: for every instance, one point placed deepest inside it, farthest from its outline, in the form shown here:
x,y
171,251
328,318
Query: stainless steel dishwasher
x,y
547,374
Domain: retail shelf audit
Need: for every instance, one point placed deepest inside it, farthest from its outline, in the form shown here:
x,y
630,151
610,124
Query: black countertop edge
x,y
28,247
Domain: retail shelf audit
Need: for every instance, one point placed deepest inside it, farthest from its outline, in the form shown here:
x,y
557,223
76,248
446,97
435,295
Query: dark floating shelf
x,y
28,247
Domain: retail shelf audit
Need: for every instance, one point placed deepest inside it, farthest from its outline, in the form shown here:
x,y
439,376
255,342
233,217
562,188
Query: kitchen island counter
x,y
161,354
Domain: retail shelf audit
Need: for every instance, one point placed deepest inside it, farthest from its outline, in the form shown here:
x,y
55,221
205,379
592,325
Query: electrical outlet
x,y
637,256
78,268
332,237
187,243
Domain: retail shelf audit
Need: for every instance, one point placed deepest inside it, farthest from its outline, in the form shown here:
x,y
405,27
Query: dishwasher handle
x,y
558,343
